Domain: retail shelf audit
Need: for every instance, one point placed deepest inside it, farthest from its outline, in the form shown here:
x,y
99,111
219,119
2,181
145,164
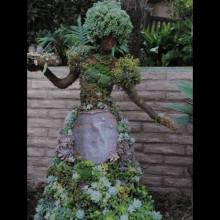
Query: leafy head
x,y
106,18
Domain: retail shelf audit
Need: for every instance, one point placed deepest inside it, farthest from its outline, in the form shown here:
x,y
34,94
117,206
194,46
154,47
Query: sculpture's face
x,y
108,42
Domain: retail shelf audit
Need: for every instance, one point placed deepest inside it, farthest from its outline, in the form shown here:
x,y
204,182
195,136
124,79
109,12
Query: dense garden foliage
x,y
173,46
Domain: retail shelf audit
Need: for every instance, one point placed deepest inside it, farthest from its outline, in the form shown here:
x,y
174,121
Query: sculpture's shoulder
x,y
78,54
125,72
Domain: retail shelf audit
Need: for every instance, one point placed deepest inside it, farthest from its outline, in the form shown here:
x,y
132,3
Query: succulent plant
x,y
65,146
125,153
126,73
104,81
50,179
107,18
96,196
112,191
89,191
136,203
80,214
113,155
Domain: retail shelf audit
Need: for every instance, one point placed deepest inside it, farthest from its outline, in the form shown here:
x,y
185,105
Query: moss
x,y
40,59
104,81
125,72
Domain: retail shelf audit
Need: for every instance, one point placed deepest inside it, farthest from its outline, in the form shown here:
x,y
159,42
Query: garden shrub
x,y
183,9
173,46
49,15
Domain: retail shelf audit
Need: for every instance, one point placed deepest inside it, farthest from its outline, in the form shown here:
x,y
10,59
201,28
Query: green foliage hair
x,y
108,19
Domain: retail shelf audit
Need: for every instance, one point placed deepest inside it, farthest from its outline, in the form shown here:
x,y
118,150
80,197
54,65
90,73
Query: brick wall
x,y
162,154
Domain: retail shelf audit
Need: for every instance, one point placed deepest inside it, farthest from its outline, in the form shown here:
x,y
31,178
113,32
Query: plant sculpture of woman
x,y
83,183
97,124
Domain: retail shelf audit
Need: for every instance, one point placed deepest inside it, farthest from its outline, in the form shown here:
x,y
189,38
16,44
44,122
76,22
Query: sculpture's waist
x,y
95,111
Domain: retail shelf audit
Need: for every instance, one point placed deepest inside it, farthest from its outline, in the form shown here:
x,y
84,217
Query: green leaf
x,y
98,93
184,109
45,67
183,120
164,60
113,51
155,49
185,84
186,90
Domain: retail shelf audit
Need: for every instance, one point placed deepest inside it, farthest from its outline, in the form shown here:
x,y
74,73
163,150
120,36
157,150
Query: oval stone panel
x,y
95,135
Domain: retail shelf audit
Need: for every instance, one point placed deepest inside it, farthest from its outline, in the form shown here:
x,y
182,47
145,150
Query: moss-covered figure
x,y
114,189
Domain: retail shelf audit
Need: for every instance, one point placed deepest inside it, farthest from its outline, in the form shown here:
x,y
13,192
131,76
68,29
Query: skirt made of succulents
x,y
95,135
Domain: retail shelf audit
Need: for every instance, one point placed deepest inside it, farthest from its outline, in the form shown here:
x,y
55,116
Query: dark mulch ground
x,y
170,205
173,206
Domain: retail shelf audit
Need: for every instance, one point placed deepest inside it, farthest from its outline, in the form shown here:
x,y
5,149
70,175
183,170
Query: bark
x,y
161,119
65,82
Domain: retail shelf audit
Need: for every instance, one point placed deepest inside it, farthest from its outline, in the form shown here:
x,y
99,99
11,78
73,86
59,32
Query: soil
x,y
170,205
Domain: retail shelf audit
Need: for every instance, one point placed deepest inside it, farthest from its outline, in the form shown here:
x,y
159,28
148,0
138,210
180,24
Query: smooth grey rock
x,y
94,137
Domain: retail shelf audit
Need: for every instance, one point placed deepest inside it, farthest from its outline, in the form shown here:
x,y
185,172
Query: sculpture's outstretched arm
x,y
60,83
163,120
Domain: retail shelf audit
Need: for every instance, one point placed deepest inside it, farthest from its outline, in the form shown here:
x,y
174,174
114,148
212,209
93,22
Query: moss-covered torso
x,y
96,81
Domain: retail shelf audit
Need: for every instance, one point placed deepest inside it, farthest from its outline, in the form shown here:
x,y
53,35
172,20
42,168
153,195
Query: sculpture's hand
x,y
161,119
60,83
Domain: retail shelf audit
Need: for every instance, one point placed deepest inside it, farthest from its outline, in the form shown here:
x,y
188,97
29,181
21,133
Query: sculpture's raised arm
x,y
161,119
35,64
127,76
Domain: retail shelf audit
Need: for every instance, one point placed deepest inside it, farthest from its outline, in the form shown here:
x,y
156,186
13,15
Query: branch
x,y
161,119
60,83
65,82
